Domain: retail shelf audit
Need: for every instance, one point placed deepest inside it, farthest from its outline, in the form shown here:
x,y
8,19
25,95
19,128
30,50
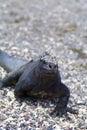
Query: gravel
x,y
28,28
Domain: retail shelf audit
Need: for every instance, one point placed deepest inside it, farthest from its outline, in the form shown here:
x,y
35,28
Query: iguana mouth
x,y
49,73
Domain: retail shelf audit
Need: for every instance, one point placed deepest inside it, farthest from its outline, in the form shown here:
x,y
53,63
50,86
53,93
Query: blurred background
x,y
28,28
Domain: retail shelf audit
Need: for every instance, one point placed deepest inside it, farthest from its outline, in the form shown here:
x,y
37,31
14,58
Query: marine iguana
x,y
38,78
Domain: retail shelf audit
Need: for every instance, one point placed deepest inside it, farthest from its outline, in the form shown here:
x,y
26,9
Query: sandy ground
x,y
28,28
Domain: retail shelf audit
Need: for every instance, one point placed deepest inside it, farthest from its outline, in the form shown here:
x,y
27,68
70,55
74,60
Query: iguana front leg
x,y
64,94
12,77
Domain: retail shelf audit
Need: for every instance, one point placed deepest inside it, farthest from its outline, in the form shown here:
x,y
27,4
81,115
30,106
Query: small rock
x,y
50,127
57,127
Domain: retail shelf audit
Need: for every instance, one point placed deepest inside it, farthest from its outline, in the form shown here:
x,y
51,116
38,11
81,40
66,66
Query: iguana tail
x,y
10,63
1,83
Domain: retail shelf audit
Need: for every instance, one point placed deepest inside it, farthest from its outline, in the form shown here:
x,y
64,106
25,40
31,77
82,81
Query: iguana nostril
x,y
50,66
55,66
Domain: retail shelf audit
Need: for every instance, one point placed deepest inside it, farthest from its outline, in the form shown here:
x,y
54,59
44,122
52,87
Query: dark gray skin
x,y
40,78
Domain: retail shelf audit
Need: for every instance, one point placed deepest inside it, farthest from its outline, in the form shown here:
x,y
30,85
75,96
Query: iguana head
x,y
47,68
48,65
